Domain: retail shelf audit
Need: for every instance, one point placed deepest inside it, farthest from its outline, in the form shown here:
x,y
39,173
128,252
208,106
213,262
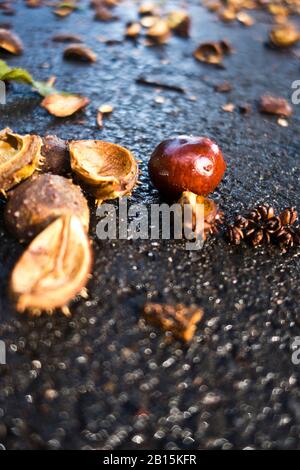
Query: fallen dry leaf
x,y
64,105
285,35
180,23
66,37
275,105
228,107
210,53
245,18
133,30
159,33
10,42
80,52
180,319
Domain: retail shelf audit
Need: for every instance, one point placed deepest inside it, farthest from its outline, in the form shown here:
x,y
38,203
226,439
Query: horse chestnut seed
x,y
186,163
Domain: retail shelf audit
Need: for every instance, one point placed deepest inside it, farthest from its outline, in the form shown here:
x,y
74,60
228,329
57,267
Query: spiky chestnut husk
x,y
35,203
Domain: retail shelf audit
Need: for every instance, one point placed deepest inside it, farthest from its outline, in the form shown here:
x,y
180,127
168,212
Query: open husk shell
x,y
54,268
19,158
108,170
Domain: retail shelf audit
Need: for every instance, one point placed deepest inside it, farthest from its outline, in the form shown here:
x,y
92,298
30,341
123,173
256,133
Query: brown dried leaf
x,y
108,170
275,105
180,23
66,37
228,107
224,87
64,105
227,15
104,14
245,18
133,30
210,53
285,35
80,52
19,158
10,42
148,8
63,11
159,33
54,268
180,319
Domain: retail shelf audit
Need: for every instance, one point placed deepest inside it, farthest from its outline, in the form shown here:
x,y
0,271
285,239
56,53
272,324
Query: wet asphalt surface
x,y
103,379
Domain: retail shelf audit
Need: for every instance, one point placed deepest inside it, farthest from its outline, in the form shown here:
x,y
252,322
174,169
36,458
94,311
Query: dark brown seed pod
x,y
10,42
54,268
19,158
55,156
37,202
80,52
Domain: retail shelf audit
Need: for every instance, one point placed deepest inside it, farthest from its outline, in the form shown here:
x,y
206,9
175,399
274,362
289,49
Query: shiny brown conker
x,y
186,163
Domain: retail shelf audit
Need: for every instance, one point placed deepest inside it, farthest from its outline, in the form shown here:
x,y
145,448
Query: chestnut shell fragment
x,y
186,163
37,202
55,153
54,268
19,158
108,170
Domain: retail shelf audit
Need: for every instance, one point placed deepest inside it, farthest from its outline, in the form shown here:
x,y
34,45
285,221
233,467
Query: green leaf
x,y
43,88
18,75
4,68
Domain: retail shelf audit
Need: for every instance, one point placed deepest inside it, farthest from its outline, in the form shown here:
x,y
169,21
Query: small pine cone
x,y
296,236
288,216
258,237
273,225
261,213
234,235
266,212
285,239
241,222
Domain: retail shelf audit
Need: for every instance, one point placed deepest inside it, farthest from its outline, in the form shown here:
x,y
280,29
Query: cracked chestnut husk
x,y
37,202
55,156
19,157
54,268
108,170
